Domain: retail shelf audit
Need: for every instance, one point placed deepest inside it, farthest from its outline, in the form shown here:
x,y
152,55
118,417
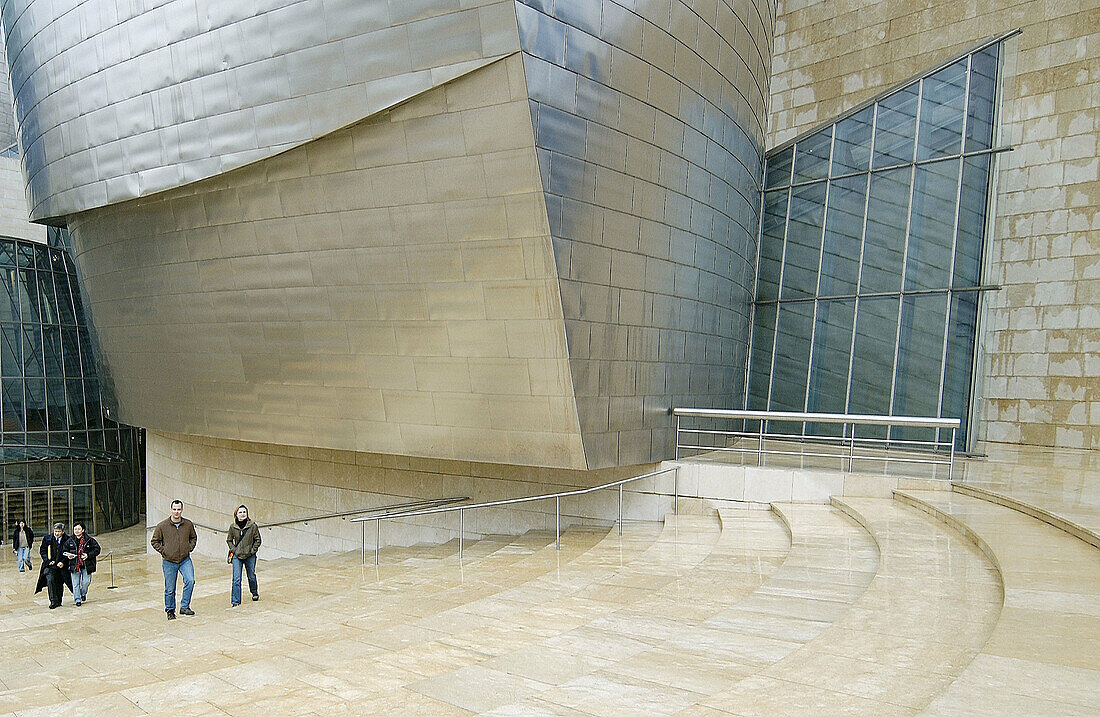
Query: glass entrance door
x,y
39,514
49,506
14,509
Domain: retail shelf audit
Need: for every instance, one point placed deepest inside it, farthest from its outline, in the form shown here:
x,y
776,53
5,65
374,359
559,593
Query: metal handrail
x,y
413,504
848,439
512,501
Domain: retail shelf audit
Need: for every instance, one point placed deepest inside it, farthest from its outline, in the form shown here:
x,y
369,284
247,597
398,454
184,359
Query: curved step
x,y
1080,521
1043,656
676,649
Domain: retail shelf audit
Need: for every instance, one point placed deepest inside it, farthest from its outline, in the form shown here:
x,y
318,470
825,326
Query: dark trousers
x,y
55,585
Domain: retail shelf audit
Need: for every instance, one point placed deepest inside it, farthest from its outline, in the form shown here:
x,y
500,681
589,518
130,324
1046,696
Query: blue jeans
x,y
250,568
23,557
81,581
185,568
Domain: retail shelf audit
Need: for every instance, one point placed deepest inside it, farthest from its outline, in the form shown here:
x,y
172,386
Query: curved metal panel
x,y
649,123
118,100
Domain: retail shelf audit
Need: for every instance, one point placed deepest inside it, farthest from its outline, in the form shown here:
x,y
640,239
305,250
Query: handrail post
x,y
363,526
557,522
461,531
677,453
852,450
760,445
112,586
377,539
676,490
951,465
621,508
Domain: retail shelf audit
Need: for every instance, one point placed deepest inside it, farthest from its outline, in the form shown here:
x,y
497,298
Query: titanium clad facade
x,y
517,232
648,124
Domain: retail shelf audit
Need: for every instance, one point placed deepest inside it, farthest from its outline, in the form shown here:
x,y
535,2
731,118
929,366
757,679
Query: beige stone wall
x,y
213,476
1041,374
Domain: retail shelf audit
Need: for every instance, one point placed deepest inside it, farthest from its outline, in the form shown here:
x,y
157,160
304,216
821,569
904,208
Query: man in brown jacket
x,y
174,538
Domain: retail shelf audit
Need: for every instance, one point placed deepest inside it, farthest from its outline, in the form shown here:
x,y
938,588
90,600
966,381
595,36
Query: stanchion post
x,y
621,507
461,532
363,552
557,522
377,539
112,586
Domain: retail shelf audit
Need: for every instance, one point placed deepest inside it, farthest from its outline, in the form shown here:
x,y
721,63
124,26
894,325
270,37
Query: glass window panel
x,y
873,358
11,352
36,407
852,147
7,253
28,296
843,236
70,352
48,302
894,131
51,340
9,300
829,367
803,251
774,223
941,113
778,172
960,360
983,95
17,502
811,156
60,473
87,363
884,241
763,340
973,200
792,356
920,360
32,350
932,225
41,256
25,255
66,315
82,505
55,400
40,511
75,404
93,410
13,408
59,507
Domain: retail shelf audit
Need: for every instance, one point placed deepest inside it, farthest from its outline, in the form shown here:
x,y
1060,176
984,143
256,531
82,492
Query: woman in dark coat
x,y
54,573
81,549
22,539
243,538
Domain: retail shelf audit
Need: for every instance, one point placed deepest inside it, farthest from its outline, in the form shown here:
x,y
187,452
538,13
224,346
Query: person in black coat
x,y
54,573
81,549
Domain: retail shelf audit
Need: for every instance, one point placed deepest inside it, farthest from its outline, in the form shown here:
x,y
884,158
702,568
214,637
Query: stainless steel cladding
x,y
517,232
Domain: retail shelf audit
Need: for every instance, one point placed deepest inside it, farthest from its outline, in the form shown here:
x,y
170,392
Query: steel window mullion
x,y
905,252
820,263
779,287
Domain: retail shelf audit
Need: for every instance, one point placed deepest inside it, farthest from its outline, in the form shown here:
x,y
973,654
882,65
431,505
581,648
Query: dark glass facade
x,y
870,261
62,456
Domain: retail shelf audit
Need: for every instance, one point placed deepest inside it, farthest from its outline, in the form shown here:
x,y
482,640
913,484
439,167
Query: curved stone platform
x,y
1043,656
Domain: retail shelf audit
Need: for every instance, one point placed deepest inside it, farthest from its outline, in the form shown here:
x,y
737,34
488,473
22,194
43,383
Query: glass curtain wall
x,y
62,457
870,261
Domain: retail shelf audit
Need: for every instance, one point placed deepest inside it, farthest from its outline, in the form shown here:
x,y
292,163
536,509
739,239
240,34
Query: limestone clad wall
x,y
1040,377
213,476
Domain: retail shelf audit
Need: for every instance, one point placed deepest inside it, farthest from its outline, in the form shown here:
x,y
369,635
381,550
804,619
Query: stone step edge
x,y
1058,521
914,501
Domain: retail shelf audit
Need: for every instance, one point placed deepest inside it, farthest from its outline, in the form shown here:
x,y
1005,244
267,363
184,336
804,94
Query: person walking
x,y
174,538
54,573
243,538
81,549
22,538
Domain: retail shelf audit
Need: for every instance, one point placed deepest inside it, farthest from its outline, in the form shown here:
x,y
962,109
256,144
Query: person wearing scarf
x,y
243,539
82,550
